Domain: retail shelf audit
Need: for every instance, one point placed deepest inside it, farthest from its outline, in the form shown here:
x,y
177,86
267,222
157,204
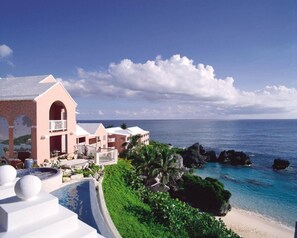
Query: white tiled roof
x,y
118,131
136,130
129,131
80,131
90,127
24,88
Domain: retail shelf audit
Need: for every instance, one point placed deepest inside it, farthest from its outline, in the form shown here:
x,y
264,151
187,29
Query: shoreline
x,y
252,225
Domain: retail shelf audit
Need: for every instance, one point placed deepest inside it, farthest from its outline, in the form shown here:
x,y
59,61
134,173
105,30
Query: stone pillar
x,y
34,143
11,142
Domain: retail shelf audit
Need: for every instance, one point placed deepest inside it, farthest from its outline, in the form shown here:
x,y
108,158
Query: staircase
x,y
41,217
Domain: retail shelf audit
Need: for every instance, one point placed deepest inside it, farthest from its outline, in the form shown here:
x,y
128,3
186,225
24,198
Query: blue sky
x,y
143,59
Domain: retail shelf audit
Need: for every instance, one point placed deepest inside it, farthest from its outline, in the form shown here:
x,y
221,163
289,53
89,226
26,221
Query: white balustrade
x,y
57,125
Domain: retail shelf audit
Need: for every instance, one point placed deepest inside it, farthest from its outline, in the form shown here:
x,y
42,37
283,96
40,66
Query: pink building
x,y
92,139
45,106
144,136
119,138
93,134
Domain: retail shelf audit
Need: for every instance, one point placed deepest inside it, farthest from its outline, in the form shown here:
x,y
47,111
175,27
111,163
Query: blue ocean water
x,y
257,188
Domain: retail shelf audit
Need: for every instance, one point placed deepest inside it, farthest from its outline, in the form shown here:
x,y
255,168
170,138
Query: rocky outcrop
x,y
224,209
210,156
234,158
280,164
193,156
179,165
196,156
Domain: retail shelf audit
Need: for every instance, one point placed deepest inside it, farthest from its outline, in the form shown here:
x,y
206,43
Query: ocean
x,y
257,188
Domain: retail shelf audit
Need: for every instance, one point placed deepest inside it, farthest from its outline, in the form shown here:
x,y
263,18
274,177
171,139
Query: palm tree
x,y
165,167
124,126
144,158
129,146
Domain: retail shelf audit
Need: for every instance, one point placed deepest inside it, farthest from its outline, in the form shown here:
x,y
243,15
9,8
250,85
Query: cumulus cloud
x,y
178,80
5,54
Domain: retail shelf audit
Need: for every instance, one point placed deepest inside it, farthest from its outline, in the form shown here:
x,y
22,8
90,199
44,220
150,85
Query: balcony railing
x,y
107,158
57,125
110,140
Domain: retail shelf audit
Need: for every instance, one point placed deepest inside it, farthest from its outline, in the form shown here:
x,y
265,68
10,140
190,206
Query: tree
x,y
128,147
143,159
165,166
124,126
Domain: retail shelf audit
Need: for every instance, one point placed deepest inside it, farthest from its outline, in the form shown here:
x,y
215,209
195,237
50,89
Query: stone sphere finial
x,y
7,174
27,187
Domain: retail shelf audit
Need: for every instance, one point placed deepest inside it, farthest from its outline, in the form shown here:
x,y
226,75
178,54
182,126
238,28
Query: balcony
x,y
107,158
111,140
57,125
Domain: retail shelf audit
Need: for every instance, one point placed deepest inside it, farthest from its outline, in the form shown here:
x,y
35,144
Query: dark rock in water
x,y
224,209
280,164
210,156
193,156
234,158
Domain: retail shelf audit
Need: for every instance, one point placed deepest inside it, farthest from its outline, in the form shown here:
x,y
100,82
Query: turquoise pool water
x,y
81,198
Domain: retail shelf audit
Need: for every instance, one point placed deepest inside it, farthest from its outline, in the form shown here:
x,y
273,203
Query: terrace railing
x,y
107,158
101,157
57,125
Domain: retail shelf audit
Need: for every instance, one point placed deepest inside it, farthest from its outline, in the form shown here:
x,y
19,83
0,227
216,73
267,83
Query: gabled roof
x,y
90,127
136,130
80,131
118,131
25,88
127,132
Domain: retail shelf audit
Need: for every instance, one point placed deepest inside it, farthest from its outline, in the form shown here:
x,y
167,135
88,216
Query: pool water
x,y
42,173
81,198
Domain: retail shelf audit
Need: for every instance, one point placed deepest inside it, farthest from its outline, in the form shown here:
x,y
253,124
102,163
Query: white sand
x,y
252,225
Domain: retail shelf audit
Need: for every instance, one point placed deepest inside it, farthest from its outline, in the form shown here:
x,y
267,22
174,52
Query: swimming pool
x,y
42,173
51,178
81,198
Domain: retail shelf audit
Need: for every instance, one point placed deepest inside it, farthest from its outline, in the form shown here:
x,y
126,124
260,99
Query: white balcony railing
x,y
110,140
106,158
57,125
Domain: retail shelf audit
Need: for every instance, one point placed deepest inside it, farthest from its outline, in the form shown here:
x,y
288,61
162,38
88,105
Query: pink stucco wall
x,y
120,140
43,105
102,133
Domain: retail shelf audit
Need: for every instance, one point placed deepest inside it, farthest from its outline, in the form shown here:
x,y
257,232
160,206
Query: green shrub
x,y
138,212
206,194
91,170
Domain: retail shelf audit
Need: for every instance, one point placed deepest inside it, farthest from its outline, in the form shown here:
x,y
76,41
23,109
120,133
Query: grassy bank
x,y
131,216
159,215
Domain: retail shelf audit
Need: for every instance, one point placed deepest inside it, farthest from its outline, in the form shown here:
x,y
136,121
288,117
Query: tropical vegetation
x,y
139,212
207,194
132,217
160,163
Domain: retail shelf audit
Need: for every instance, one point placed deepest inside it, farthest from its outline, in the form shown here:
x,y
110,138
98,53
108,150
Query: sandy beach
x,y
251,225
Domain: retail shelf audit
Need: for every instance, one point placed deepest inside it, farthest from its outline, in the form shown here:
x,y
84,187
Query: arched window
x,y
57,117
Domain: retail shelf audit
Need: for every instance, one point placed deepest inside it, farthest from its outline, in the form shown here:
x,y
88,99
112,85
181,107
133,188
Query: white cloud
x,y
178,81
5,51
5,54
